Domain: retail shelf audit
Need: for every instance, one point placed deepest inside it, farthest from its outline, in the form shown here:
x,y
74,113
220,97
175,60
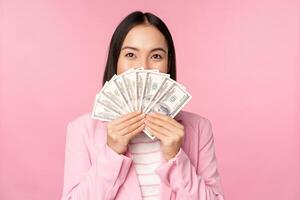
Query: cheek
x,y
122,66
162,67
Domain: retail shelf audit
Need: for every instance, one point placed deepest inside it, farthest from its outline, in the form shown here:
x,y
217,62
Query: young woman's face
x,y
144,46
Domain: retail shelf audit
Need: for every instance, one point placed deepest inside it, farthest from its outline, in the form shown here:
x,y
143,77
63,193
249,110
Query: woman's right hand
x,y
121,130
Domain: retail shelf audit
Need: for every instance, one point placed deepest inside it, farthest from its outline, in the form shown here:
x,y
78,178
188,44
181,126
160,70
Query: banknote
x,y
146,90
169,102
104,108
154,81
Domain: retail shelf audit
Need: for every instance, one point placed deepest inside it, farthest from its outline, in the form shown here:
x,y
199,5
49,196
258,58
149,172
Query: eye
x,y
157,56
130,55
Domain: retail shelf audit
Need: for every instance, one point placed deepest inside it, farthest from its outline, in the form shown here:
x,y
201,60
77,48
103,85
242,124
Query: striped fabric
x,y
146,158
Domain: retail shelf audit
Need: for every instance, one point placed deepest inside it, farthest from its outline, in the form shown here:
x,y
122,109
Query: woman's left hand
x,y
168,131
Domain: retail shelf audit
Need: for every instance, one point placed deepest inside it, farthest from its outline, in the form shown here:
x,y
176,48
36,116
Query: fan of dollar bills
x,y
139,90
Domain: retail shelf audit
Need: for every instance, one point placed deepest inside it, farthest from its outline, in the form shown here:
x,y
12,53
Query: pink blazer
x,y
93,171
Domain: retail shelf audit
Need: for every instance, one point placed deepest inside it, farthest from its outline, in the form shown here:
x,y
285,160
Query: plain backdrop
x,y
240,60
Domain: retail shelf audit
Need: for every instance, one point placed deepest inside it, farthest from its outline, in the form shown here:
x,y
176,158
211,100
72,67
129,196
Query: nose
x,y
143,62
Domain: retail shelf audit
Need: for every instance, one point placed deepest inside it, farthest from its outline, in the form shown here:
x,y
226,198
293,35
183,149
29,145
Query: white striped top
x,y
146,156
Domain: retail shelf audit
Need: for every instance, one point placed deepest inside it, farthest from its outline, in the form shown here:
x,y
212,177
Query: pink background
x,y
239,60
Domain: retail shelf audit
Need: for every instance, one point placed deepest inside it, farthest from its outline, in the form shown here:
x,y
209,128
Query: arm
x,y
194,183
86,181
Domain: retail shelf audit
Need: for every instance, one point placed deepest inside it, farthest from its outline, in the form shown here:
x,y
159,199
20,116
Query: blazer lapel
x,y
164,191
131,184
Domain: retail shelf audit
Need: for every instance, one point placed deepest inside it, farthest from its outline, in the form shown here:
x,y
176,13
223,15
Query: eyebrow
x,y
136,49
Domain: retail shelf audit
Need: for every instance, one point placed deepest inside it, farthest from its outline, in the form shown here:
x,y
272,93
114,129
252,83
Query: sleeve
x,y
86,181
194,183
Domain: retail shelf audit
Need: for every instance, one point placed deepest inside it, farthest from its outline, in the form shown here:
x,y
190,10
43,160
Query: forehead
x,y
145,37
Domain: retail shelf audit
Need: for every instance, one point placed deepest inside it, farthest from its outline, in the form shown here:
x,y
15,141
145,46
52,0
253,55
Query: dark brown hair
x,y
133,19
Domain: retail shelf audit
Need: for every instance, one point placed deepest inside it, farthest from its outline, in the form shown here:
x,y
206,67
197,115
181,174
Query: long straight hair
x,y
133,19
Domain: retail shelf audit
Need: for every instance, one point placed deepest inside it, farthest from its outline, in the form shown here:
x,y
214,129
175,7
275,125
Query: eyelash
x,y
160,57
128,56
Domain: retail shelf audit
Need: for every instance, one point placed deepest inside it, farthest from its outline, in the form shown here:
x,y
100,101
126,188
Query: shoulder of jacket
x,y
191,117
197,122
85,127
86,122
83,118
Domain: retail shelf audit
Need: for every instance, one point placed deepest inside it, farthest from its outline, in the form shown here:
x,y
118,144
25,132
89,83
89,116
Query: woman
x,y
115,160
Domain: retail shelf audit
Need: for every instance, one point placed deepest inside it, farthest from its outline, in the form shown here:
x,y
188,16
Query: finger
x,y
125,117
157,128
162,123
166,118
135,132
129,122
132,127
165,124
156,134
